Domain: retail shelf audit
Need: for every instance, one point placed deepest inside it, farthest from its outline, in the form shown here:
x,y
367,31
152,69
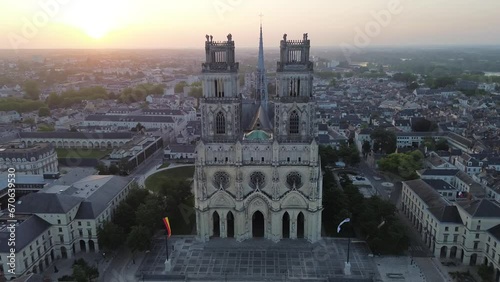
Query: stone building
x,y
37,158
60,222
258,169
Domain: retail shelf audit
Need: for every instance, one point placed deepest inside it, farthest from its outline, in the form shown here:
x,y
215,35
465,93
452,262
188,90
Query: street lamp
x,y
347,267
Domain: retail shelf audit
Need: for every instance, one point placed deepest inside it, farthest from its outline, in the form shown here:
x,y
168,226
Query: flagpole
x,y
166,243
348,248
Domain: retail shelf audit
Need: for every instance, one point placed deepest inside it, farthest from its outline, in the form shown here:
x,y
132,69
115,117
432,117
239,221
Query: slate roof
x,y
441,172
481,208
260,120
447,214
495,231
425,192
97,201
439,184
46,203
76,135
26,232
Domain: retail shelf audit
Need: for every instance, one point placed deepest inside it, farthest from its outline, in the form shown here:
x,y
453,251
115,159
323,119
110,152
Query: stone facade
x,y
258,169
38,158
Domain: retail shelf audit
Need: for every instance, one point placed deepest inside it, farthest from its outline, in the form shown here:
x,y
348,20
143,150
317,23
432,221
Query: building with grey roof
x,y
58,223
467,230
77,139
28,159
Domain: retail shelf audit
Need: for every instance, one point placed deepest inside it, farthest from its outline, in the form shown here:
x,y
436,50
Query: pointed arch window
x,y
220,123
294,123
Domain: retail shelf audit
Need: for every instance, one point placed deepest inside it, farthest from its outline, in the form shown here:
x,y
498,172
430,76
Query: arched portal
x,y
83,247
230,225
473,259
91,246
216,224
257,224
444,250
286,225
300,225
64,252
453,252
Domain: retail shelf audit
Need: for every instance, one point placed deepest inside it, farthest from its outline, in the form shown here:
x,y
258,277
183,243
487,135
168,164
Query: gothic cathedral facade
x,y
258,171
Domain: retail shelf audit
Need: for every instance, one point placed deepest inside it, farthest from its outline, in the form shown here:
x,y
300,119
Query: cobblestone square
x,y
257,260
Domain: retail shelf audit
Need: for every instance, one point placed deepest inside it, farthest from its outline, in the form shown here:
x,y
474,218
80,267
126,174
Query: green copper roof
x,y
257,135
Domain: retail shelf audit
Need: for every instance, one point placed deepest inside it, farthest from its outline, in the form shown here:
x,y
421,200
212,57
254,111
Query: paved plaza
x,y
257,260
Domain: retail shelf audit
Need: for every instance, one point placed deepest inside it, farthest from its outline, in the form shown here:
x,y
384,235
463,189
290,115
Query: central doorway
x,y
300,226
257,225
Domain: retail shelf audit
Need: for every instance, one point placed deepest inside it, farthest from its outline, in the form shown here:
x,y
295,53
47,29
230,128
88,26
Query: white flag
x,y
343,221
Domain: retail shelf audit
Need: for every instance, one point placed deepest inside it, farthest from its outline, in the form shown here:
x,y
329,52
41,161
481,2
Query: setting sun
x,y
97,18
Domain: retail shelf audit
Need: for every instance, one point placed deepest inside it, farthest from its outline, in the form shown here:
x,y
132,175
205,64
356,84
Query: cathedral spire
x,y
261,93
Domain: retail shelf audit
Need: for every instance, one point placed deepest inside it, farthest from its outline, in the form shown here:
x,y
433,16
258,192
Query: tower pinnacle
x,y
261,91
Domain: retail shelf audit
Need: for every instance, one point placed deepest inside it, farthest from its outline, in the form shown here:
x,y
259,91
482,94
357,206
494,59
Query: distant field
x,y
81,153
155,181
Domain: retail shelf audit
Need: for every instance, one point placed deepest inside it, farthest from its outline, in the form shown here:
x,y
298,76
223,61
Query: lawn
x,y
155,181
81,153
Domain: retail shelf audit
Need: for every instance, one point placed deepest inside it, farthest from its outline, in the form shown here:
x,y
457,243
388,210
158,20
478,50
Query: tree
x,y
329,156
139,239
404,165
124,166
442,145
135,197
404,77
43,112
196,92
384,140
422,125
54,100
139,127
102,168
179,87
79,274
110,236
113,169
486,272
124,217
31,90
150,213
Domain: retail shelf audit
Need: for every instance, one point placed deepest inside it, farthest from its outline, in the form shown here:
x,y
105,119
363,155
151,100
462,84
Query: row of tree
x,y
347,152
373,218
140,215
134,221
82,272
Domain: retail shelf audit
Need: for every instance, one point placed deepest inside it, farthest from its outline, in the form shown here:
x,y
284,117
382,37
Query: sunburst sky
x,y
183,24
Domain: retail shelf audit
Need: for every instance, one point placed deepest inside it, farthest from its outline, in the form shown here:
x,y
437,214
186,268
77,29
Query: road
x,y
150,164
368,172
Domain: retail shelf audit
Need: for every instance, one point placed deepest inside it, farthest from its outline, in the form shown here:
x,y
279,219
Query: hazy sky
x,y
183,24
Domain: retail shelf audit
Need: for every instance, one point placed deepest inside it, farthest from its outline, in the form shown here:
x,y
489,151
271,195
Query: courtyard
x,y
256,260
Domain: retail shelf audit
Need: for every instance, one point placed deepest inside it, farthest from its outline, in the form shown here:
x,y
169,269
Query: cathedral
x,y
258,172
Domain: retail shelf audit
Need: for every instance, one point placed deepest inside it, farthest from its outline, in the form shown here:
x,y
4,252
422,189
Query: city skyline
x,y
156,25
